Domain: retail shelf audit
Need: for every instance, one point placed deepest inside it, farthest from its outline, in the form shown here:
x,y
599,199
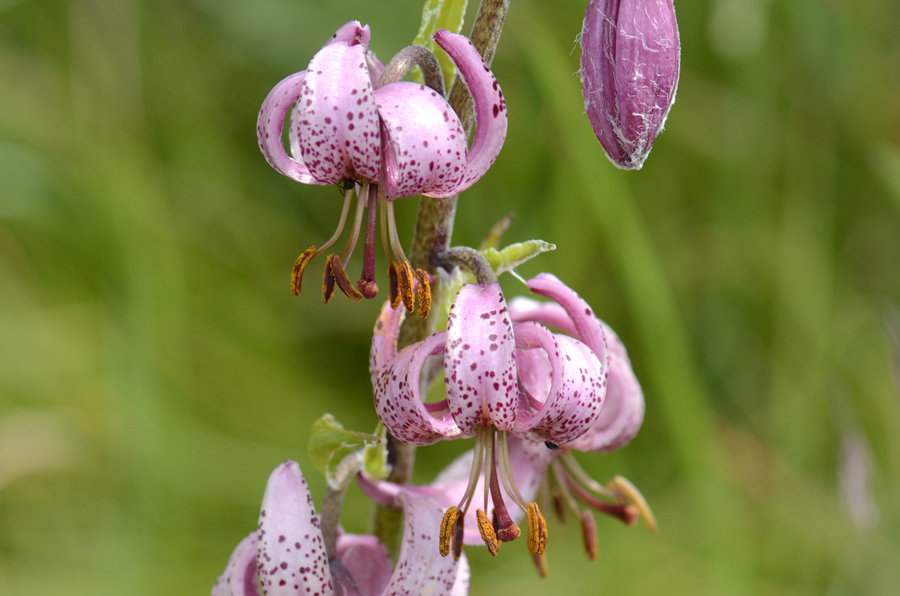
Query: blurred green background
x,y
154,366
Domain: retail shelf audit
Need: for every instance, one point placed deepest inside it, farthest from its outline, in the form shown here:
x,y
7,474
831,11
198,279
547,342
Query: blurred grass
x,y
154,366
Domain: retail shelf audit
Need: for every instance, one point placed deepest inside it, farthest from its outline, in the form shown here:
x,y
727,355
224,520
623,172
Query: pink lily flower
x,y
526,460
389,139
287,556
501,377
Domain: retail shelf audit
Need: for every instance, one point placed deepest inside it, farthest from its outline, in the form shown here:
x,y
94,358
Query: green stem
x,y
471,259
431,237
334,501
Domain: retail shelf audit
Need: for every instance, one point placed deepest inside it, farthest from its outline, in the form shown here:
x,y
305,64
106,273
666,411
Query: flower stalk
x,y
431,237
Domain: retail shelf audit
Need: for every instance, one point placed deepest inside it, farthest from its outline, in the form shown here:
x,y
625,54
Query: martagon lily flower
x,y
287,553
529,460
490,395
356,124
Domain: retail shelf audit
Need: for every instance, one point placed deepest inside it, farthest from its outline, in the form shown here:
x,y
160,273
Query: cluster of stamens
x,y
619,499
492,456
405,284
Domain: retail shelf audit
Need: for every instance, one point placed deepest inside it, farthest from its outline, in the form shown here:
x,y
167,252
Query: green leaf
x,y
374,457
515,254
330,442
441,14
495,235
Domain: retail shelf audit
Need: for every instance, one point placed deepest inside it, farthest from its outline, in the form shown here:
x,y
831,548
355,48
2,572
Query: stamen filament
x,y
392,231
348,194
572,466
347,251
382,207
627,513
509,482
475,472
560,476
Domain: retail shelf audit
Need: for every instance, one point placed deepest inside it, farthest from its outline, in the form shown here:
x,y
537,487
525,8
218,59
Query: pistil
x,y
366,284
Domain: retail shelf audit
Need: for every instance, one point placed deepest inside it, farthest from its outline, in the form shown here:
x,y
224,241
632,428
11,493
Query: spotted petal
x,y
490,108
384,338
291,551
398,400
269,126
480,362
423,142
623,412
420,570
336,123
576,392
239,577
588,327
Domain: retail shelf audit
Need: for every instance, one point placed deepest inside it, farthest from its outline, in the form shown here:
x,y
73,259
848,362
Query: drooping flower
x,y
630,58
287,554
354,122
490,394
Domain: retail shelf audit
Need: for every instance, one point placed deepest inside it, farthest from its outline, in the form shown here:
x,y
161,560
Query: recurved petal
x,y
535,371
546,313
239,577
291,552
622,414
337,129
420,568
552,314
367,561
588,327
490,108
480,361
398,400
576,393
384,338
424,145
270,123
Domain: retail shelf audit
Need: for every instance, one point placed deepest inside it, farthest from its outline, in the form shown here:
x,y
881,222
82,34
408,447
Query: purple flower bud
x,y
630,55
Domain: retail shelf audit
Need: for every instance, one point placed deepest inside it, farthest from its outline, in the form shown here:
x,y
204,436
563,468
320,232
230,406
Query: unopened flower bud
x,y
630,55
